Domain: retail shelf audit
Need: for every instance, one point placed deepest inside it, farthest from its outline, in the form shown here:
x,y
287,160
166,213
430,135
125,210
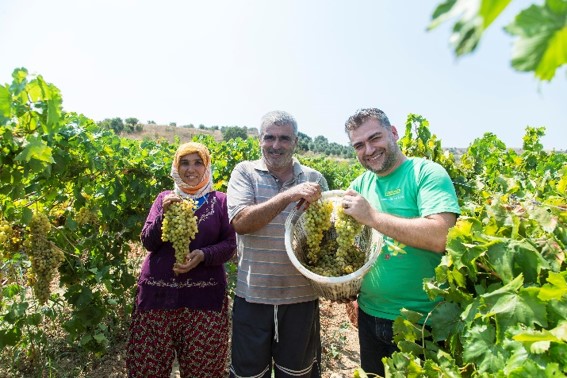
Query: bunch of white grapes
x,y
86,216
180,227
5,231
328,254
45,260
347,229
317,221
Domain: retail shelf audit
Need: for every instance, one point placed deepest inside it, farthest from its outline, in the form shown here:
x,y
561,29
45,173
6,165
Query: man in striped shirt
x,y
275,312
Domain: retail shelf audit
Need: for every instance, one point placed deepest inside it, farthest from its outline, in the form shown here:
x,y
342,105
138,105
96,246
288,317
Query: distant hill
x,y
185,134
169,133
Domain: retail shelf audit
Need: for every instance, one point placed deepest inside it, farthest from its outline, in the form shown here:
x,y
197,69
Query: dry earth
x,y
338,336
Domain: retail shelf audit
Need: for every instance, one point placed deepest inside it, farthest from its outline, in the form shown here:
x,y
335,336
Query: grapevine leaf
x,y
80,296
446,320
4,103
101,338
502,259
464,245
403,364
16,312
409,347
542,39
480,347
443,367
85,340
9,291
20,80
26,215
10,336
516,361
511,258
511,305
36,149
528,260
442,13
34,319
555,288
539,342
411,316
557,311
560,331
491,9
472,20
546,220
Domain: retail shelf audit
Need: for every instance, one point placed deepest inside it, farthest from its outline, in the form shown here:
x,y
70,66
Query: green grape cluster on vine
x,y
45,259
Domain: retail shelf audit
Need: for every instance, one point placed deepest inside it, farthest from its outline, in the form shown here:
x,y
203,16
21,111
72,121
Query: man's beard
x,y
390,158
282,161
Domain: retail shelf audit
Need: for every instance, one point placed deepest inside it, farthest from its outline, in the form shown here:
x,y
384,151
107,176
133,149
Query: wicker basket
x,y
369,240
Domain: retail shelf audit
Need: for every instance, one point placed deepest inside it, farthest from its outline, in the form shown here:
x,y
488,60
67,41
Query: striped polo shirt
x,y
265,273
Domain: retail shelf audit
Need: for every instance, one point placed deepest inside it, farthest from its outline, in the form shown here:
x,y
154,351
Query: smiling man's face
x,y
376,147
277,144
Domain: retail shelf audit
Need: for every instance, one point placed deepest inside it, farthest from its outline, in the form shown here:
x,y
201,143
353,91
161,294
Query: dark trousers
x,y
285,338
375,337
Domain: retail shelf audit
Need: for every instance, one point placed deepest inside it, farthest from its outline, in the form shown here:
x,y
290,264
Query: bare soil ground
x,y
338,336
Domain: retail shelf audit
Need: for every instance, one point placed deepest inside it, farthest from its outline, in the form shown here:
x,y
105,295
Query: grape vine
x,y
503,280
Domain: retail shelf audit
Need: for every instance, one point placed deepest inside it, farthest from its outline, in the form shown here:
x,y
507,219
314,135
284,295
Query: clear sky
x,y
228,62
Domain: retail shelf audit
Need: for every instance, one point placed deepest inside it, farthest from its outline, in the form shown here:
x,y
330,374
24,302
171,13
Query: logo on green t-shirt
x,y
393,247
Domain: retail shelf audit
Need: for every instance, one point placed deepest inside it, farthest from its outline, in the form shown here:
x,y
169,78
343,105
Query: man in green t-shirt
x,y
412,202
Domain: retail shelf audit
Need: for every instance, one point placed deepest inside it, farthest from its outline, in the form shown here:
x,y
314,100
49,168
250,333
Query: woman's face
x,y
191,169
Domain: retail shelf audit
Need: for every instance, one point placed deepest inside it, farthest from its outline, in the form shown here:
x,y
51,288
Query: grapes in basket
x,y
330,240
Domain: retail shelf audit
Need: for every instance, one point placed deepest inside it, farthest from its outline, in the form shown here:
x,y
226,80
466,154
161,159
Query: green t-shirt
x,y
417,188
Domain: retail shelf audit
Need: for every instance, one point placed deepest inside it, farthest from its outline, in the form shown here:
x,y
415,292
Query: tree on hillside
x,y
132,121
304,141
115,124
233,132
540,30
132,124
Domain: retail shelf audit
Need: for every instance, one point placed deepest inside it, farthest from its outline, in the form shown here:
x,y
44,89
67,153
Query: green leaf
x,y
81,297
101,338
5,99
442,13
511,258
85,340
542,40
502,259
512,304
27,215
11,290
446,320
560,331
17,312
555,288
554,56
472,20
36,149
480,348
9,336
539,342
34,319
491,9
546,219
